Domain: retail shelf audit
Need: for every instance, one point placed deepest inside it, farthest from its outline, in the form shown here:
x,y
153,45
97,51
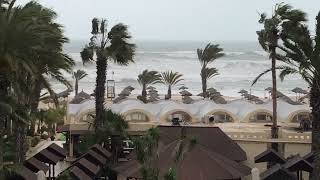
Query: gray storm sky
x,y
218,20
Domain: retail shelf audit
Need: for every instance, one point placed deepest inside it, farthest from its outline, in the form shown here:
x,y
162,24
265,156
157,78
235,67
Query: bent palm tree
x,y
170,79
147,78
206,56
269,38
302,54
78,75
30,51
206,74
113,45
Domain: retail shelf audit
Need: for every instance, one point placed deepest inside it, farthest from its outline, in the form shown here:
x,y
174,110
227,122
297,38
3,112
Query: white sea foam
x,y
237,69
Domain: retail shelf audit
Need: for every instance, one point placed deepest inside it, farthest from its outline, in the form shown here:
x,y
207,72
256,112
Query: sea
x,y
242,62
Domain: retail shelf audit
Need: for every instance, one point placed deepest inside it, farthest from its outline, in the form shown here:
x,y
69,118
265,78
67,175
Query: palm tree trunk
x,y
76,87
204,84
100,88
1,152
144,93
35,97
274,128
169,92
20,142
315,106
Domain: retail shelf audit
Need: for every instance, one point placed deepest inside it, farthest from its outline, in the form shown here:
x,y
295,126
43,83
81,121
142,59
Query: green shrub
x,y
34,141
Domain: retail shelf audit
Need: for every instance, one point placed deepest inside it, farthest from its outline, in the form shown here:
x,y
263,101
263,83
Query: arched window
x,y
179,115
220,117
302,116
260,117
137,116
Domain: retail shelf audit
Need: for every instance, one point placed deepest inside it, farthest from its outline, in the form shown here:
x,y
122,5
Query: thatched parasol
x,y
187,100
83,95
268,89
125,92
183,88
118,99
185,93
64,93
77,100
242,91
218,99
130,88
299,90
151,88
211,90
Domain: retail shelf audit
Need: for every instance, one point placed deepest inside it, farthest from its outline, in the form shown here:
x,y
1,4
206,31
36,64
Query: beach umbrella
x,y
185,93
211,90
153,91
119,98
77,100
125,92
200,94
299,90
215,94
242,91
219,99
187,100
63,94
183,88
83,95
130,88
151,88
268,89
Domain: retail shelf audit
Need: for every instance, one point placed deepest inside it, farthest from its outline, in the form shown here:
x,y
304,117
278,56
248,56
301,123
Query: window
x,y
261,117
136,116
220,117
304,116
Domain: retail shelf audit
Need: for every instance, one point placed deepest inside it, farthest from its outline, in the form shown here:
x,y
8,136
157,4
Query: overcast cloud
x,y
218,20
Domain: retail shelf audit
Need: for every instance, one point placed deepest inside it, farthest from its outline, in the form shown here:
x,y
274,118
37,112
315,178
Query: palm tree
x,y
147,78
206,74
78,75
302,54
113,45
206,56
269,38
170,79
30,52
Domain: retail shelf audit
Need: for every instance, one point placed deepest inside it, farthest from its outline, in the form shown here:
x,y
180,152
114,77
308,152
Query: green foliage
x,y
113,45
79,74
171,78
145,149
34,141
209,54
171,175
65,176
147,78
208,73
276,28
113,124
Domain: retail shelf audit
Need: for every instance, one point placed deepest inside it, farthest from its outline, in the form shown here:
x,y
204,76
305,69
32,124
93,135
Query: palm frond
x,y
286,70
87,54
260,75
171,78
209,73
79,74
149,77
